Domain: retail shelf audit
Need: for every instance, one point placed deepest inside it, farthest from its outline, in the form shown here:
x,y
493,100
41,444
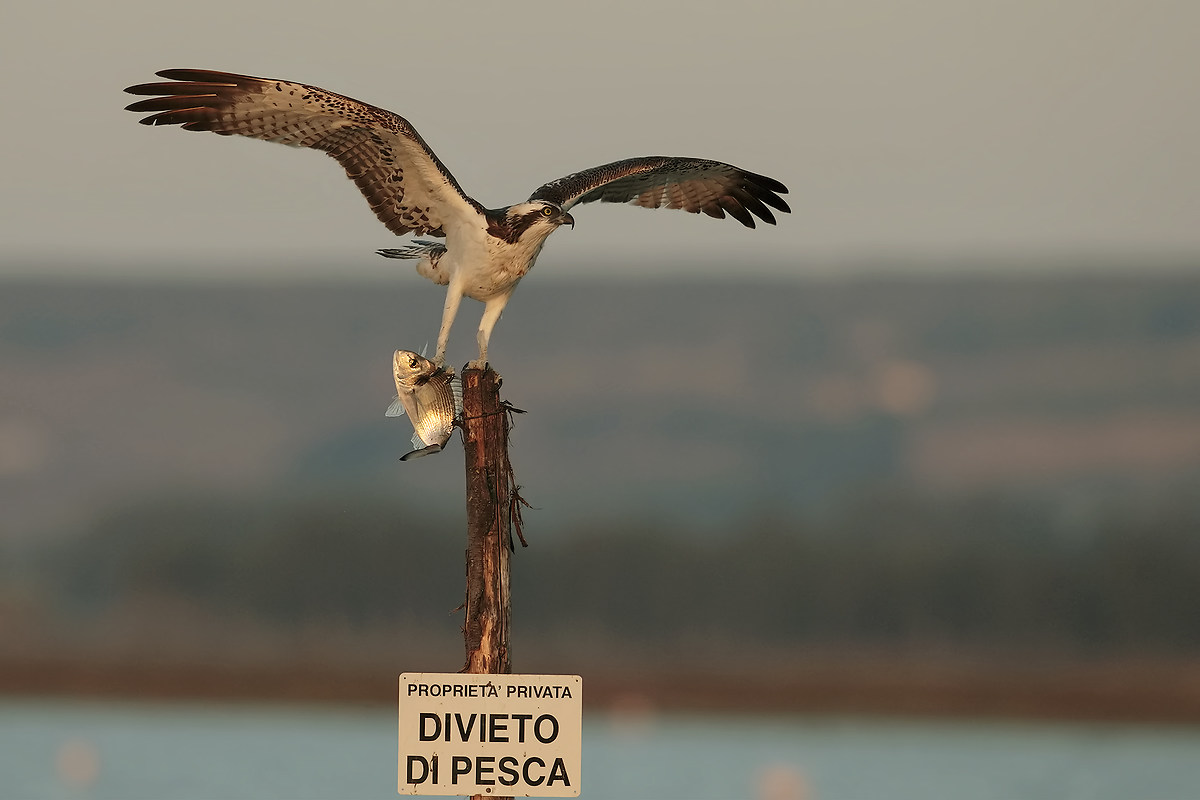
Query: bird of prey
x,y
485,252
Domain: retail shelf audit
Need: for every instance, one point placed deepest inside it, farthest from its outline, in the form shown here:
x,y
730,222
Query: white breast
x,y
485,266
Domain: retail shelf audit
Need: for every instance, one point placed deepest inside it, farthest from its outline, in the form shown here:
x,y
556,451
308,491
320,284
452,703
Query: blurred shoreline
x,y
1142,691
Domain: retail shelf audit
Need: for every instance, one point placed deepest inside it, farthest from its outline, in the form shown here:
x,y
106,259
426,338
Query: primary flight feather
x,y
486,252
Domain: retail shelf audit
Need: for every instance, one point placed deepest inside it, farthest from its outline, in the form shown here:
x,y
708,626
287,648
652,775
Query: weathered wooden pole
x,y
493,507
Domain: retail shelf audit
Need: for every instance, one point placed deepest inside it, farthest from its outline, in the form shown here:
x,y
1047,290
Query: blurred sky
x,y
931,129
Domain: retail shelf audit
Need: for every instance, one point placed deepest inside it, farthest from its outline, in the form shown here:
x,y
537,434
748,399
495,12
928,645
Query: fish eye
x,y
547,211
412,361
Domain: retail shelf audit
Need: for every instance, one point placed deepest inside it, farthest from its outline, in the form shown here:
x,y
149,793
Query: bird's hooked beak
x,y
567,219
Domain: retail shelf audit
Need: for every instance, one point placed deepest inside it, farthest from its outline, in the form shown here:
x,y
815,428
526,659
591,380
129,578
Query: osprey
x,y
486,251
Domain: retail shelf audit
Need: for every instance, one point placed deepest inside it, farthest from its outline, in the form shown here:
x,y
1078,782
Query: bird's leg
x,y
453,296
491,313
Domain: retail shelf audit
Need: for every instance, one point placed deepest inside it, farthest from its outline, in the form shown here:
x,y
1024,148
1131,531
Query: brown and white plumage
x,y
487,251
406,185
691,184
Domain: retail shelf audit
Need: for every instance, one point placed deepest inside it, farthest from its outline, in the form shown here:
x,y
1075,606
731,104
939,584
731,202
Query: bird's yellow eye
x,y
547,211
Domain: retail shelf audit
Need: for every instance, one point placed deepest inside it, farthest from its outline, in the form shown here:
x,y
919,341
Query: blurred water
x,y
63,749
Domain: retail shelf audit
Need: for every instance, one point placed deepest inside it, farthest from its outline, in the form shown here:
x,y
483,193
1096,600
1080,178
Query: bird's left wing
x,y
692,184
408,188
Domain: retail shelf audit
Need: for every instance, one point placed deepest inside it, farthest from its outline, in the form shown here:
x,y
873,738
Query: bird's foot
x,y
482,364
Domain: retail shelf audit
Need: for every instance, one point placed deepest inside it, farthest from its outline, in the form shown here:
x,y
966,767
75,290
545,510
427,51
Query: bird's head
x,y
538,214
528,223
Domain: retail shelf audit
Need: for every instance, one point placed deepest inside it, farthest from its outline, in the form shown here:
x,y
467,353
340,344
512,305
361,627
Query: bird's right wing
x,y
408,188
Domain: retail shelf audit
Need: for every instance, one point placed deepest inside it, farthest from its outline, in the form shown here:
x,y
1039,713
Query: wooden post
x,y
493,507
491,499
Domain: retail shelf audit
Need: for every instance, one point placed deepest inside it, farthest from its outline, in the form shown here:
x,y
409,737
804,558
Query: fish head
x,y
410,370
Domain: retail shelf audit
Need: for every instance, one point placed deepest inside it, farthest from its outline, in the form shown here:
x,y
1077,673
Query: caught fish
x,y
432,398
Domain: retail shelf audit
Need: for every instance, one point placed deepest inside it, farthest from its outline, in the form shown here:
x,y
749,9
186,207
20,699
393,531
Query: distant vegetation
x,y
886,570
722,469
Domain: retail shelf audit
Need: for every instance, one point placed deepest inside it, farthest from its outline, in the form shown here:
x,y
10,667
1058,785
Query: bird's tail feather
x,y
418,249
427,255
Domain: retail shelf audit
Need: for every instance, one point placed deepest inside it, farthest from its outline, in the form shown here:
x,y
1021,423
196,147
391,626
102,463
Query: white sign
x,y
503,735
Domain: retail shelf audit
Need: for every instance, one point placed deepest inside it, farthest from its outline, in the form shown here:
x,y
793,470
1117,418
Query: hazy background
x,y
929,446
943,414
923,131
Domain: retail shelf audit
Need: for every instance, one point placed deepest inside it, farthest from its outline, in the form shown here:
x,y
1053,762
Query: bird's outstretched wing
x,y
693,184
406,185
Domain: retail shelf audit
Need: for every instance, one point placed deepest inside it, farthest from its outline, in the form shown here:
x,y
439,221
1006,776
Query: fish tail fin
x,y
422,451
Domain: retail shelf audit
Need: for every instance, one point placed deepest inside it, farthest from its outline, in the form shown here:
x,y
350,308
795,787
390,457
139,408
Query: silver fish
x,y
432,398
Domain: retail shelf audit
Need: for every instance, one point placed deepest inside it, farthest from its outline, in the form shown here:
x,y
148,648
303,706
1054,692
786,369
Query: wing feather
x,y
405,184
691,184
